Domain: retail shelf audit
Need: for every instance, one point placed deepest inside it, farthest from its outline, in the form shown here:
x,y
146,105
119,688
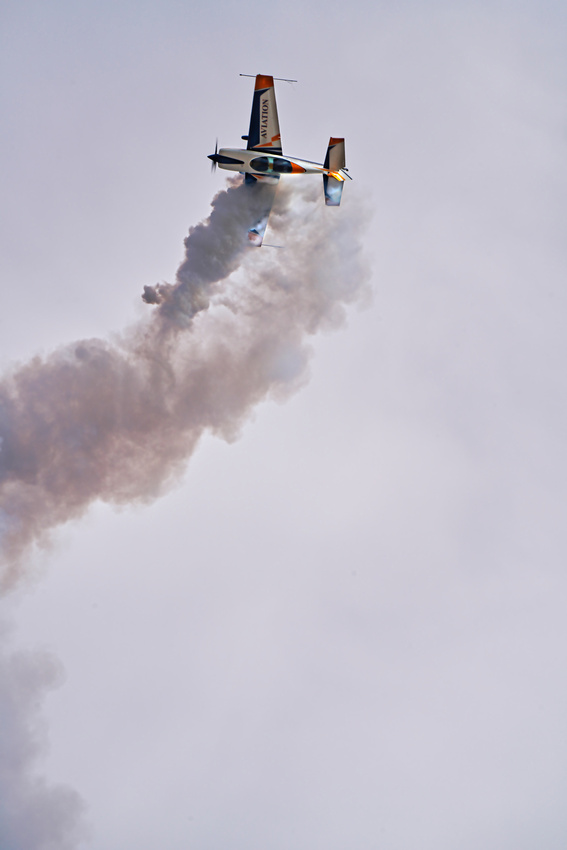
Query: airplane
x,y
263,159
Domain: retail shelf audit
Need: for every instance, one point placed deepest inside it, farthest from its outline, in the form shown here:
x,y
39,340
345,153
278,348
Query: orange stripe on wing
x,y
263,82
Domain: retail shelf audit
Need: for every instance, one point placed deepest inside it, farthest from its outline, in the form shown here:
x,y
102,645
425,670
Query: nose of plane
x,y
214,157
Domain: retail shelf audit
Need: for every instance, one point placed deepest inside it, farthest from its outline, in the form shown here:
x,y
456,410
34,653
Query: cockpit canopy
x,y
267,164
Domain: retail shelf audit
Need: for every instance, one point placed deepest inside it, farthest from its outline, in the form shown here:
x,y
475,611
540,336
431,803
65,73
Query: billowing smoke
x,y
214,248
33,815
117,420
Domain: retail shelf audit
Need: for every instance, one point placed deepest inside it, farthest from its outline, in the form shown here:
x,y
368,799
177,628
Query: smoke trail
x,y
33,815
118,420
214,248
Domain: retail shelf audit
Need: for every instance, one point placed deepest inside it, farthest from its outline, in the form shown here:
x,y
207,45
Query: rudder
x,y
335,158
333,182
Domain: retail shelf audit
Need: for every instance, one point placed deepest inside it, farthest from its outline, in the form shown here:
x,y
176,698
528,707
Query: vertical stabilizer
x,y
333,190
335,158
333,183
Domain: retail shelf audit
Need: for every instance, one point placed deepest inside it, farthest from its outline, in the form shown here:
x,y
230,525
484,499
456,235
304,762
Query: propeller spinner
x,y
213,157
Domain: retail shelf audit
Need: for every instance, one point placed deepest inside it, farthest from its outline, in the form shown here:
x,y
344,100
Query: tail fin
x,y
334,161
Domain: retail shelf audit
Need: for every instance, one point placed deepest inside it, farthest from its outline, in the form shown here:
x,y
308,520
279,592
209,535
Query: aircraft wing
x,y
264,133
263,193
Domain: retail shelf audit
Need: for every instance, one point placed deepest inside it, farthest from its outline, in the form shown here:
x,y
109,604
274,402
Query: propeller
x,y
213,157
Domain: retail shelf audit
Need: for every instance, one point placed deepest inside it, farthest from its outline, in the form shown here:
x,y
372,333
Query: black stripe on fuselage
x,y
268,151
227,160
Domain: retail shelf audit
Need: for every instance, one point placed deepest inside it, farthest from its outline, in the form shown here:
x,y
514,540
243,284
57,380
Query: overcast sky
x,y
347,627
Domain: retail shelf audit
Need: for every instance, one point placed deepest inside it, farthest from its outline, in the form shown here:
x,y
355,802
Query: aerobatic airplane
x,y
263,161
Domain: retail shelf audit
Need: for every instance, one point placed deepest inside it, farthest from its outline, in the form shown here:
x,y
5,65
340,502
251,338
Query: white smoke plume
x,y
213,249
33,815
117,420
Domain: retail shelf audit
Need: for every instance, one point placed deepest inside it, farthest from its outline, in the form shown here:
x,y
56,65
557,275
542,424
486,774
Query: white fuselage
x,y
258,162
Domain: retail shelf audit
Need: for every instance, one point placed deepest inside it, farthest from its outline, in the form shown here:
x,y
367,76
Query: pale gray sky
x,y
347,628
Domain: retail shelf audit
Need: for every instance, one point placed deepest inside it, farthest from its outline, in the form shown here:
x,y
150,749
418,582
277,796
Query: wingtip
x,y
263,82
